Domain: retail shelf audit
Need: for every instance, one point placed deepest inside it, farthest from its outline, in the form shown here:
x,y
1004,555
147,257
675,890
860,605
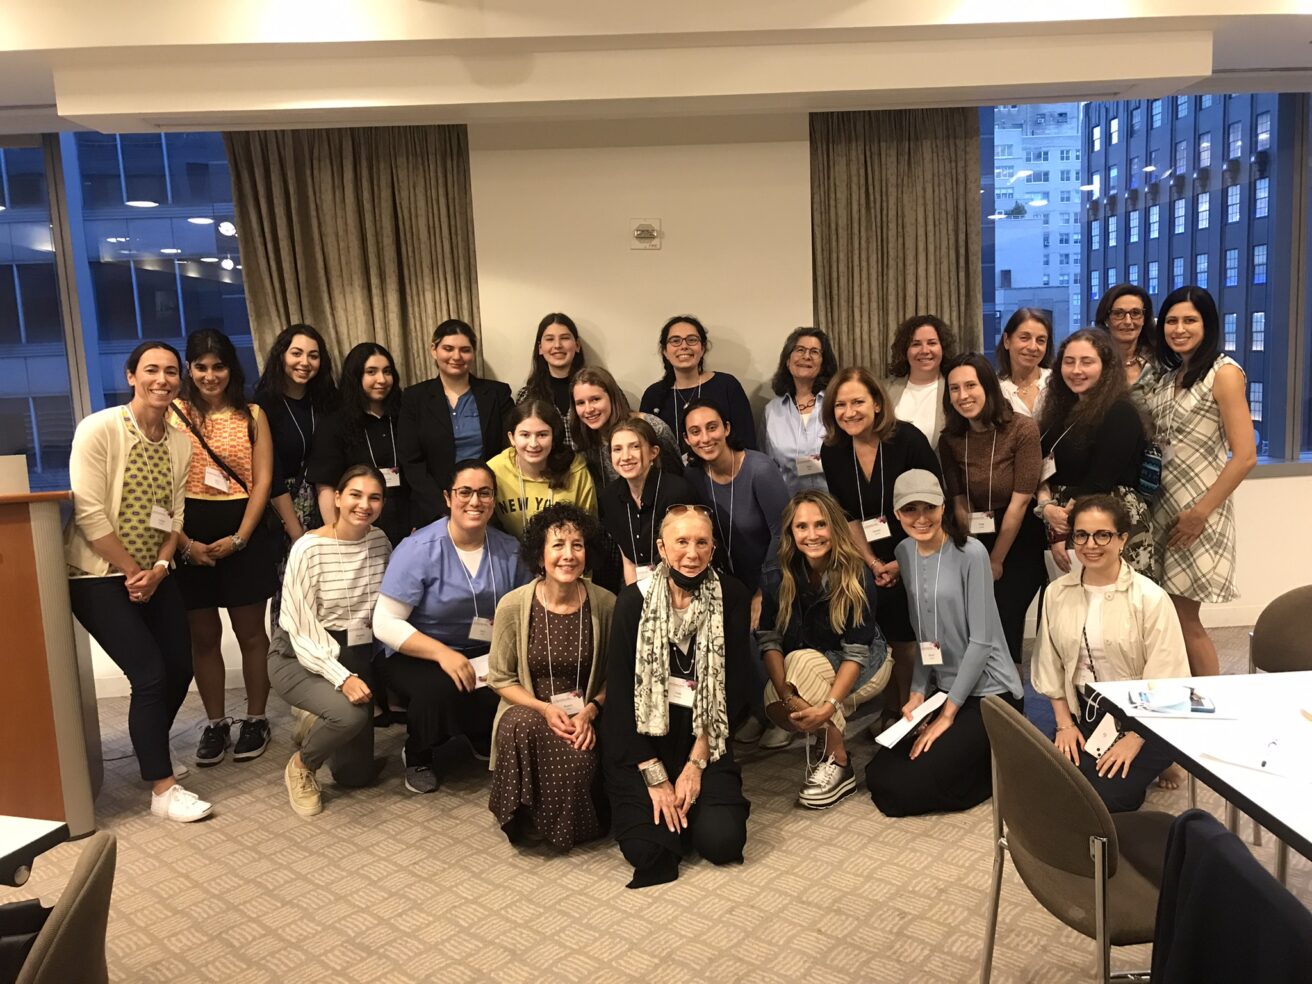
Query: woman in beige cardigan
x,y
547,664
1105,622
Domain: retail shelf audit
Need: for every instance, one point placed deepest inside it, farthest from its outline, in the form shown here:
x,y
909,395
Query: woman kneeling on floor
x,y
823,651
548,666
1105,622
677,662
945,764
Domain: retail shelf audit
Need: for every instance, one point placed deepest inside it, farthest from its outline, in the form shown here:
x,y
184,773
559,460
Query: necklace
x,y
806,406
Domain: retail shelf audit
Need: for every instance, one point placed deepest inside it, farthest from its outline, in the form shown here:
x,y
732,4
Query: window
x,y
1097,139
1064,259
1036,156
1063,280
1095,286
1004,150
1204,102
1257,331
1064,197
1004,279
1181,107
1005,173
1047,240
1066,175
1177,273
1181,156
1261,189
1179,213
1152,277
1065,154
1232,204
1232,268
1075,237
1113,179
1037,177
1047,218
1136,119
1134,226
1133,275
1259,264
1204,150
1255,401
1112,224
1230,328
1132,177
1063,239
1204,210
1234,140
1262,138
1200,270
1154,221
1111,276
1095,234
1156,109
1114,131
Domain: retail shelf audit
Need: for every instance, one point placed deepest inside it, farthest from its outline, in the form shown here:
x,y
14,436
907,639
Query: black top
x,y
368,440
809,627
426,441
633,529
861,496
293,424
1099,458
666,402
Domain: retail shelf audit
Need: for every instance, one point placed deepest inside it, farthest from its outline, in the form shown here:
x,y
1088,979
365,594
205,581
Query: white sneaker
x,y
302,722
176,803
749,732
777,738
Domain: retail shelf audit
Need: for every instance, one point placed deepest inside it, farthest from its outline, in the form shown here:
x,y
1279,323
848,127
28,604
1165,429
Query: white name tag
x,y
479,664
643,580
1049,468
808,465
1166,453
160,519
982,522
359,635
876,529
1104,737
392,477
931,654
480,630
571,701
215,479
682,691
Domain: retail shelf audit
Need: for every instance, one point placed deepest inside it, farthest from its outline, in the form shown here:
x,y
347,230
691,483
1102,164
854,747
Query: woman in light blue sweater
x,y
944,764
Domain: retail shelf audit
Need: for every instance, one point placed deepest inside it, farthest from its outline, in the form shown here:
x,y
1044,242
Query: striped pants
x,y
812,673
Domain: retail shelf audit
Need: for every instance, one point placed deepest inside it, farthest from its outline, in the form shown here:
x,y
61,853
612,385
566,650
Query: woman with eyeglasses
x,y
1205,428
557,356
1106,622
683,348
676,669
435,616
921,346
1125,312
1023,358
794,419
539,468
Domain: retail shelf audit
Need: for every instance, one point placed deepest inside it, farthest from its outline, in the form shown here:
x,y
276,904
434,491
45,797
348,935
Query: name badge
x,y
480,666
359,635
1166,453
643,580
876,529
571,701
682,691
1104,737
808,464
1049,468
160,519
982,522
480,630
391,477
215,479
931,654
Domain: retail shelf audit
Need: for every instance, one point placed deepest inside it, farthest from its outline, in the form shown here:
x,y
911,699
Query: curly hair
x,y
322,389
1109,504
898,365
559,515
782,381
1063,409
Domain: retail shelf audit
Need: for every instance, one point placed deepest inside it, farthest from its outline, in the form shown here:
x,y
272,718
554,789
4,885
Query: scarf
x,y
651,671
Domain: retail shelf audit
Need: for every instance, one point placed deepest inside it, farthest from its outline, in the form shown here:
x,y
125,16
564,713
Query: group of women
x,y
598,601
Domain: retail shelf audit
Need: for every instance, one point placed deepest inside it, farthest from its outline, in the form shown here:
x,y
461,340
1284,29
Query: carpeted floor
x,y
386,886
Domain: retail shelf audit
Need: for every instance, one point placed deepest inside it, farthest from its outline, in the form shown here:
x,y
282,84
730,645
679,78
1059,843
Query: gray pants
x,y
343,735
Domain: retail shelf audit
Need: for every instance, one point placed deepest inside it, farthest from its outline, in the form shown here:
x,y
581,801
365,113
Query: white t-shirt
x,y
471,559
919,405
1092,665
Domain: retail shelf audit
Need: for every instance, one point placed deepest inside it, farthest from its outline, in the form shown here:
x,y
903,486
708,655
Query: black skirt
x,y
247,577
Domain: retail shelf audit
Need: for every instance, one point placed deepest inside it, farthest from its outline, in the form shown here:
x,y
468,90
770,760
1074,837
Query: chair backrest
x,y
71,945
1048,807
1280,641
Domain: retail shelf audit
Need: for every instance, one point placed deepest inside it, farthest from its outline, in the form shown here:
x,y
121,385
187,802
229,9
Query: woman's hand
x,y
664,808
1187,528
931,734
996,566
686,790
888,574
756,610
141,585
458,669
1069,741
1120,756
1061,557
910,706
356,690
585,736
812,719
200,554
221,549
558,721
1057,517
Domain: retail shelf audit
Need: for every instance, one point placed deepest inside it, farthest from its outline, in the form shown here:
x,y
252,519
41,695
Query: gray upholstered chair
x,y
71,945
1097,872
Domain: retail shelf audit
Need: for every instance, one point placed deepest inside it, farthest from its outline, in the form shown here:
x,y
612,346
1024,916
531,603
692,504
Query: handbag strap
x,y
205,446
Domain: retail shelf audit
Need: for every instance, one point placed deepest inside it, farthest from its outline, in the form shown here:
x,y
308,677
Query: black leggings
x,y
1023,574
151,644
1121,794
718,832
436,709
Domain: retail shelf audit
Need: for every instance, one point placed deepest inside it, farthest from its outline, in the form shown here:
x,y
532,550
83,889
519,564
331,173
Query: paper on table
x,y
894,733
1275,756
479,663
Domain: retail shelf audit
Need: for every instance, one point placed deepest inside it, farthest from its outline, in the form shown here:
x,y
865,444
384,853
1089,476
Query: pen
x,y
1265,757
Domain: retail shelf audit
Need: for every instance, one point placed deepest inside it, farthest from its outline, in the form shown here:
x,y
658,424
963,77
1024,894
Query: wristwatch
x,y
237,542
700,763
835,701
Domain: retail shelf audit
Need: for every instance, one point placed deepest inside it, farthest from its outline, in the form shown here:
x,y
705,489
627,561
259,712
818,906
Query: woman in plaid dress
x,y
1206,433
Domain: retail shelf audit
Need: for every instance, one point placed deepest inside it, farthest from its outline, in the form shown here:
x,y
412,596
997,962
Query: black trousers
x,y
151,644
955,774
436,709
1023,574
1122,795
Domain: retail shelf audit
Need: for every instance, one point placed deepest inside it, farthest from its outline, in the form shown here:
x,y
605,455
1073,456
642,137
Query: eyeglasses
x,y
683,341
1100,537
1134,314
804,351
464,493
679,508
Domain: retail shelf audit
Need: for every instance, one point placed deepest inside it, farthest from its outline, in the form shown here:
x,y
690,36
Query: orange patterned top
x,y
228,433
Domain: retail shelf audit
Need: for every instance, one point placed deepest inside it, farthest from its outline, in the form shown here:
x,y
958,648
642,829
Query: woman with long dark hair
x,y
600,404
538,469
1125,312
362,431
1023,356
793,421
1206,431
921,346
557,356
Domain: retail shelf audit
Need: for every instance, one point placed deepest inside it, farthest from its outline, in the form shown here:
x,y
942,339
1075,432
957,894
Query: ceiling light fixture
x,y
227,263
141,203
209,259
201,220
227,229
170,250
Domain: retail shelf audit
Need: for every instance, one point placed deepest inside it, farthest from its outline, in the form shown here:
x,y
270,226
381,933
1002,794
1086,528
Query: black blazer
x,y
426,442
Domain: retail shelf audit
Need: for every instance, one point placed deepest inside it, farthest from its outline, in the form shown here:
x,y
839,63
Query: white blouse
x,y
1010,391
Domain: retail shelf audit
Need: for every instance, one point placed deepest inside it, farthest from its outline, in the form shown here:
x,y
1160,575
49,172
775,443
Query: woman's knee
x,y
642,854
720,837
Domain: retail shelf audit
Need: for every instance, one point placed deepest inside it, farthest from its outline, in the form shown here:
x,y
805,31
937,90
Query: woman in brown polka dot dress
x,y
548,667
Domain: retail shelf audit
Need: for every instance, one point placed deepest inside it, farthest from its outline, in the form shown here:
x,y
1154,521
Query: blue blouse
x,y
787,438
467,427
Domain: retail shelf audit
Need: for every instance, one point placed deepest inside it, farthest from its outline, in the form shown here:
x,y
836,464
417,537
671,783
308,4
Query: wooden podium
x,y
47,766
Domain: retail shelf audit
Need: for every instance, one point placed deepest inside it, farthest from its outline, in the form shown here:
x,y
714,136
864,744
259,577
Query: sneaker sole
x,y
206,763
247,756
841,792
198,816
418,792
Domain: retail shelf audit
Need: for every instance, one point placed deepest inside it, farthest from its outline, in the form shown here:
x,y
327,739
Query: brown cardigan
x,y
508,658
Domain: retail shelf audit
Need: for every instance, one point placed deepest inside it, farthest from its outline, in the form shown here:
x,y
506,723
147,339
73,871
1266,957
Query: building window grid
x,y
1230,325
1255,401
1114,131
1095,286
1177,273
1133,274
1179,215
1112,228
1181,107
1200,270
1134,226
1154,221
1205,150
1097,139
1113,179
1204,210
1232,204
1259,264
1235,141
1181,156
1262,132
1156,116
1257,331
1232,268
1095,234
1153,283
1261,197
1136,119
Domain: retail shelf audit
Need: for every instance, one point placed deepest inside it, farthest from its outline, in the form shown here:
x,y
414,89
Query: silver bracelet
x,y
655,774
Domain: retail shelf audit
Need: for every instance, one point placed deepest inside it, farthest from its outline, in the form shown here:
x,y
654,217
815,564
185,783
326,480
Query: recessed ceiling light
x,y
209,259
142,203
2,208
170,250
227,229
200,220
227,263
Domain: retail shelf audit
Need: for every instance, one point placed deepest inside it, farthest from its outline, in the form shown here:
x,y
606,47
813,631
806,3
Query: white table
x,y
1251,710
21,841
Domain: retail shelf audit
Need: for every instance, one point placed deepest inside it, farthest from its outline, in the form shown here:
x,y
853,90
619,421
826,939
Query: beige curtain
x,y
895,226
365,233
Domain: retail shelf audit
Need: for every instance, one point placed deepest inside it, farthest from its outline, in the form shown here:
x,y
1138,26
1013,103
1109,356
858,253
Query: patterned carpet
x,y
386,886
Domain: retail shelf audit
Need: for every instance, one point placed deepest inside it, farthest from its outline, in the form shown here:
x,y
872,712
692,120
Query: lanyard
x,y
162,496
523,495
1053,450
391,432
856,467
988,505
938,566
492,570
341,566
674,392
305,443
578,669
628,512
728,541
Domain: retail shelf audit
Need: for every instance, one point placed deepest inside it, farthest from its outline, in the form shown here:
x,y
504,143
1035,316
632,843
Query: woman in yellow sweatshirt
x,y
538,469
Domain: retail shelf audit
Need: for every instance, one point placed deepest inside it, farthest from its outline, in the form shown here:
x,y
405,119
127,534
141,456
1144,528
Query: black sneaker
x,y
214,742
252,740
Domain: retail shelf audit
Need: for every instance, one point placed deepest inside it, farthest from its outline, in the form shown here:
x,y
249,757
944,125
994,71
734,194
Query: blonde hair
x,y
845,567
